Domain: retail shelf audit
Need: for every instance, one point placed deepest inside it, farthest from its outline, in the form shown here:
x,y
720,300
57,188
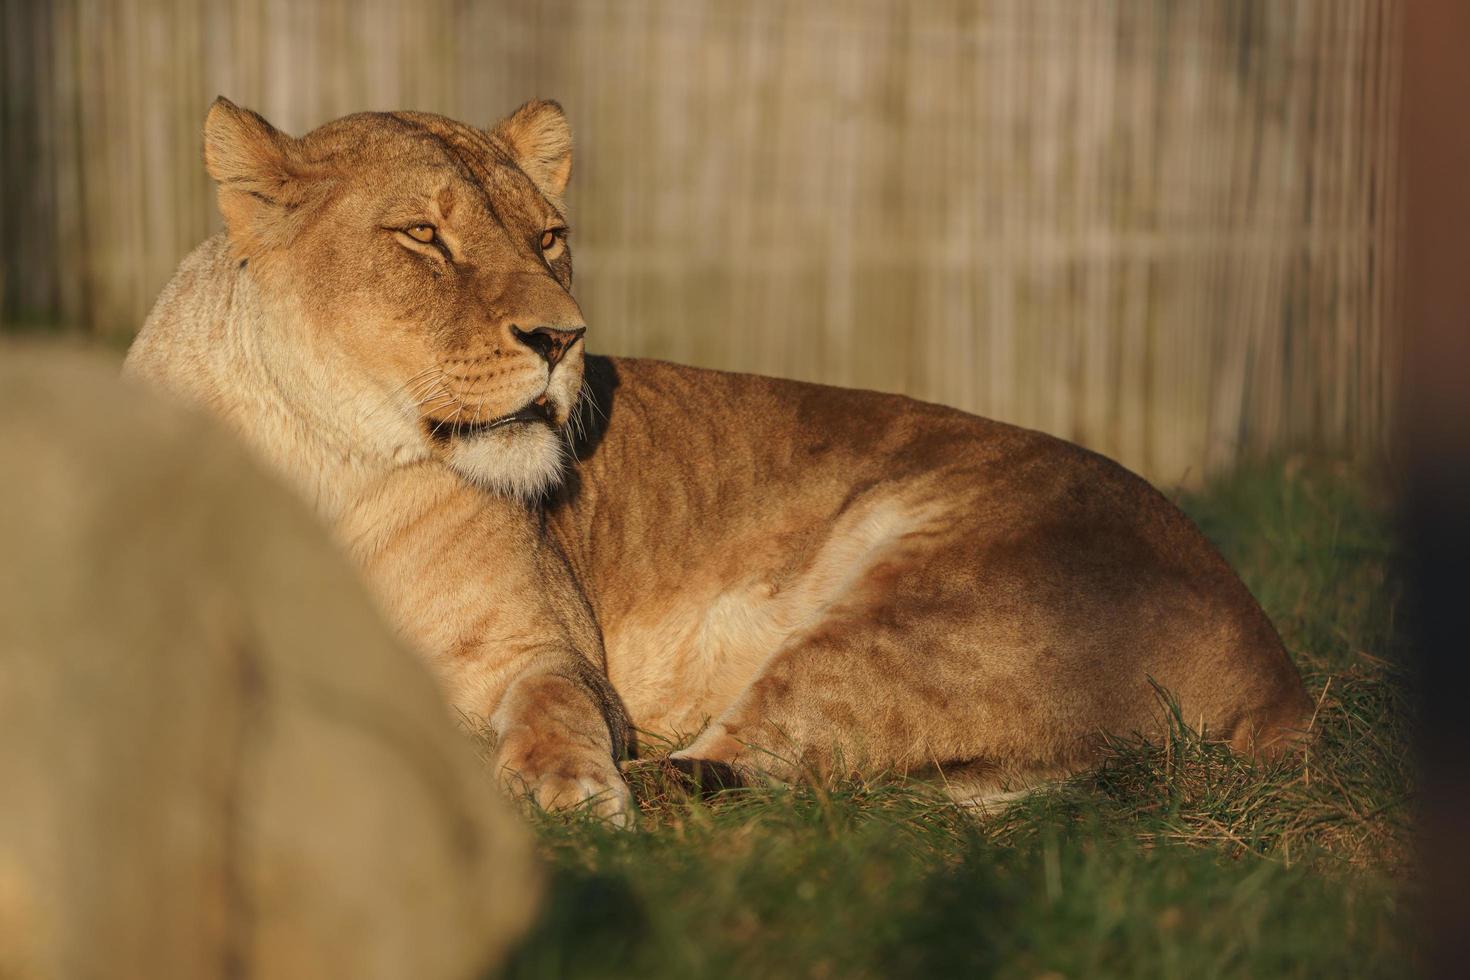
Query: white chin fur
x,y
522,461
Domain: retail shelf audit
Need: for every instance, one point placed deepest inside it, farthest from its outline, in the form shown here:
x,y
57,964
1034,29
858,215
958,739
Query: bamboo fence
x,y
1167,229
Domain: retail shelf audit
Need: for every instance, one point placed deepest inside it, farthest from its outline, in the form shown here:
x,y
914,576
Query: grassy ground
x,y
1172,860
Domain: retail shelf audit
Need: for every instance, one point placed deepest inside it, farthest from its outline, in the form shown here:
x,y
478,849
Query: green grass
x,y
1171,860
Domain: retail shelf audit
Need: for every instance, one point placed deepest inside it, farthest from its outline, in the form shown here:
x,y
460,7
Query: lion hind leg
x,y
852,698
991,789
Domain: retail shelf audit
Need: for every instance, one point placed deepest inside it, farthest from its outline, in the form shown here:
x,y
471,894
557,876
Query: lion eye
x,y
548,239
422,233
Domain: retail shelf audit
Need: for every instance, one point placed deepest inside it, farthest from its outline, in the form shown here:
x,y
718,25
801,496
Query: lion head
x,y
428,259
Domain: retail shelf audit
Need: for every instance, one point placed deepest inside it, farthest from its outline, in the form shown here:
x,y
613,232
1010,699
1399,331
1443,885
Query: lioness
x,y
807,577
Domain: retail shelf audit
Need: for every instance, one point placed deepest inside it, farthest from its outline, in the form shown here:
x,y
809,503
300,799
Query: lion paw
x,y
572,782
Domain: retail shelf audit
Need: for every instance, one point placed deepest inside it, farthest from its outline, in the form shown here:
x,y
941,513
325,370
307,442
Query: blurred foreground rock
x,y
214,760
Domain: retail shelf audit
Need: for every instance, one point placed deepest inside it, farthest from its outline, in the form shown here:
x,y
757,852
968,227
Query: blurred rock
x,y
215,760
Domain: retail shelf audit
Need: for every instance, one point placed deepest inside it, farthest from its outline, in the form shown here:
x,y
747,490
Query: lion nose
x,y
551,343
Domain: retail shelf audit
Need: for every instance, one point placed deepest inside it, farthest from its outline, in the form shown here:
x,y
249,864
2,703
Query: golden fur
x,y
803,577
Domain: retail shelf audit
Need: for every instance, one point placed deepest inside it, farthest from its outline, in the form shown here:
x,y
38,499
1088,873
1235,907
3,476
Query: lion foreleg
x,y
559,735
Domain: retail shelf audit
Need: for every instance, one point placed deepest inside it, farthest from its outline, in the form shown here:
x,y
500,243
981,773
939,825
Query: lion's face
x,y
430,259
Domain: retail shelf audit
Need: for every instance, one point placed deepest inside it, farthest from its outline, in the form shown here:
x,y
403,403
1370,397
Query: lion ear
x,y
538,136
262,183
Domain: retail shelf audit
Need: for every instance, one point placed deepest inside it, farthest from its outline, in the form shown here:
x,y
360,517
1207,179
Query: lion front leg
x,y
561,731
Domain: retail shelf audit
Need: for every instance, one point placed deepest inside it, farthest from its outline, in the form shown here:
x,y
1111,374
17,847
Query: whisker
x,y
426,386
445,396
581,425
591,399
426,406
416,383
449,421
